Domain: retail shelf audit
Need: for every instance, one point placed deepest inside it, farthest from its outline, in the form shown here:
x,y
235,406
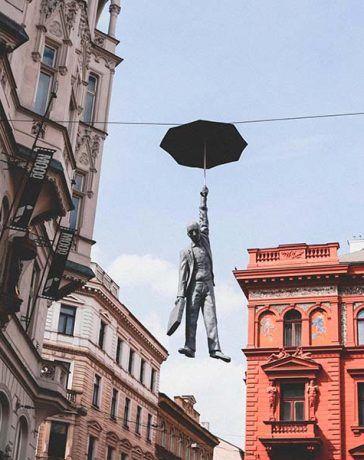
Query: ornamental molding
x,y
352,290
343,323
293,292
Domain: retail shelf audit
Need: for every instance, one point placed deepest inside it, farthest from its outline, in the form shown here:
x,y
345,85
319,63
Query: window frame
x,y
359,321
149,428
119,351
153,380
93,95
67,316
64,437
102,334
91,444
292,400
138,420
114,404
96,391
127,406
79,195
295,331
131,362
50,71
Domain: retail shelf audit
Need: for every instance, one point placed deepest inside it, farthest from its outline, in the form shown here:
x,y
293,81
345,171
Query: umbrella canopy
x,y
204,144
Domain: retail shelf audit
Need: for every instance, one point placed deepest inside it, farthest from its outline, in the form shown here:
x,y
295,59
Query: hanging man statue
x,y
196,286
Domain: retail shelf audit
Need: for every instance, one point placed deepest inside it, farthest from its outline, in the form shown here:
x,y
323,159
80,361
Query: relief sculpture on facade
x,y
293,292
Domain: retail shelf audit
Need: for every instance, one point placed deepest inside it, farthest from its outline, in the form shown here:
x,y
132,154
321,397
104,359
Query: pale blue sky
x,y
298,181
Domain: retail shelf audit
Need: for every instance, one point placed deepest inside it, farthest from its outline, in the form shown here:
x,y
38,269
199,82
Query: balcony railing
x,y
289,429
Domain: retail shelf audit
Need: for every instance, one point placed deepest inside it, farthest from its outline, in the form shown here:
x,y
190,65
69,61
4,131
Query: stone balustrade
x,y
285,429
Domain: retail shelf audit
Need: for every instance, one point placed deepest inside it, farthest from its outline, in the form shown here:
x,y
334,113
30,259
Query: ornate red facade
x,y
305,353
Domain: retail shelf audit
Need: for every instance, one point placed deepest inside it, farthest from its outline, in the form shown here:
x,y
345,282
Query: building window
x,y
96,392
21,440
360,320
67,365
45,79
67,318
142,370
78,192
152,380
90,98
131,361
292,328
114,402
123,456
292,401
119,348
36,273
110,453
361,403
102,334
57,440
149,427
4,419
126,412
164,435
91,448
138,419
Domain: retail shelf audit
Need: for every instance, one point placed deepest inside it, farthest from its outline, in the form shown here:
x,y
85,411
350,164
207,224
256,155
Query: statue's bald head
x,y
194,232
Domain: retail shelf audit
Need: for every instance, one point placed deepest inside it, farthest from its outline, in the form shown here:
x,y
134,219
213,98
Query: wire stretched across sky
x,y
155,123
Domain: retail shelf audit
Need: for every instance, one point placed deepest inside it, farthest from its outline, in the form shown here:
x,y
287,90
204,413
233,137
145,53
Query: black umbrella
x,y
204,144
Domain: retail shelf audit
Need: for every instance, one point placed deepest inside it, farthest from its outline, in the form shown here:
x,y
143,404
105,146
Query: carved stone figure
x,y
281,354
312,394
196,285
272,397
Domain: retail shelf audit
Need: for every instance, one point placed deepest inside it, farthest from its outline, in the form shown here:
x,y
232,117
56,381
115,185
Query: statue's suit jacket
x,y
187,260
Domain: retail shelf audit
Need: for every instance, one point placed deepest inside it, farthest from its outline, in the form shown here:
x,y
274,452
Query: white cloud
x,y
147,271
161,277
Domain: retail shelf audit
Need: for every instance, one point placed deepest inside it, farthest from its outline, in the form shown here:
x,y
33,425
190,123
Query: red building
x,y
305,353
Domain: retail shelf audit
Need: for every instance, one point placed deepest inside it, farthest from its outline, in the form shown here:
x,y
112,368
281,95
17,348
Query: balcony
x,y
300,435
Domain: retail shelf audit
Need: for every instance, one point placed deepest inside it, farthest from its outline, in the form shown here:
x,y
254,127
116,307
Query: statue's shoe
x,y
187,352
220,355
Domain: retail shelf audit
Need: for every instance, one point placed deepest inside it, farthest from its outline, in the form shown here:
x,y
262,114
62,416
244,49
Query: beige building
x,y
56,72
227,451
180,434
114,364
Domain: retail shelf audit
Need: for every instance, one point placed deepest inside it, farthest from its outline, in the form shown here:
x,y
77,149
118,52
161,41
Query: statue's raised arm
x,y
204,221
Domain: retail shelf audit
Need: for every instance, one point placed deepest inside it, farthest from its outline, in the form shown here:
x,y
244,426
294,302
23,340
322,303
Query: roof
x,y
352,257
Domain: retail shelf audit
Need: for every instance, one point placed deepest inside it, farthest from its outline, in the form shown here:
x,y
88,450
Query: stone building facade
x,y
56,72
305,353
114,365
180,435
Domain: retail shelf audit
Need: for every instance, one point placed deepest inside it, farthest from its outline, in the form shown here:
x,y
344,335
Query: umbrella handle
x,y
204,162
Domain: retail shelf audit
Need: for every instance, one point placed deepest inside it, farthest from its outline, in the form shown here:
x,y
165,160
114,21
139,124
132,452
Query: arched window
x,y
360,319
292,328
4,420
21,439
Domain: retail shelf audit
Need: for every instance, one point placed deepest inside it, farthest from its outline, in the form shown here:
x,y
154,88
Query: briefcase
x,y
175,317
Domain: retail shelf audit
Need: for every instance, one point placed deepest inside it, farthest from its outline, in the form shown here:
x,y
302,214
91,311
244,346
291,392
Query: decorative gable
x,y
296,365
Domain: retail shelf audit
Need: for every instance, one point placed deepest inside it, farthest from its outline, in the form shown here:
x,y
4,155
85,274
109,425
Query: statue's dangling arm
x,y
183,275
204,221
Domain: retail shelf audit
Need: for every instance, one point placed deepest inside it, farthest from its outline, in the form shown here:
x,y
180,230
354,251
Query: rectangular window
x,y
49,56
361,403
124,456
67,365
126,412
75,212
110,453
152,380
96,392
67,318
89,107
114,402
78,180
149,427
142,371
33,290
57,439
131,361
43,91
138,419
102,334
91,448
292,401
119,348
